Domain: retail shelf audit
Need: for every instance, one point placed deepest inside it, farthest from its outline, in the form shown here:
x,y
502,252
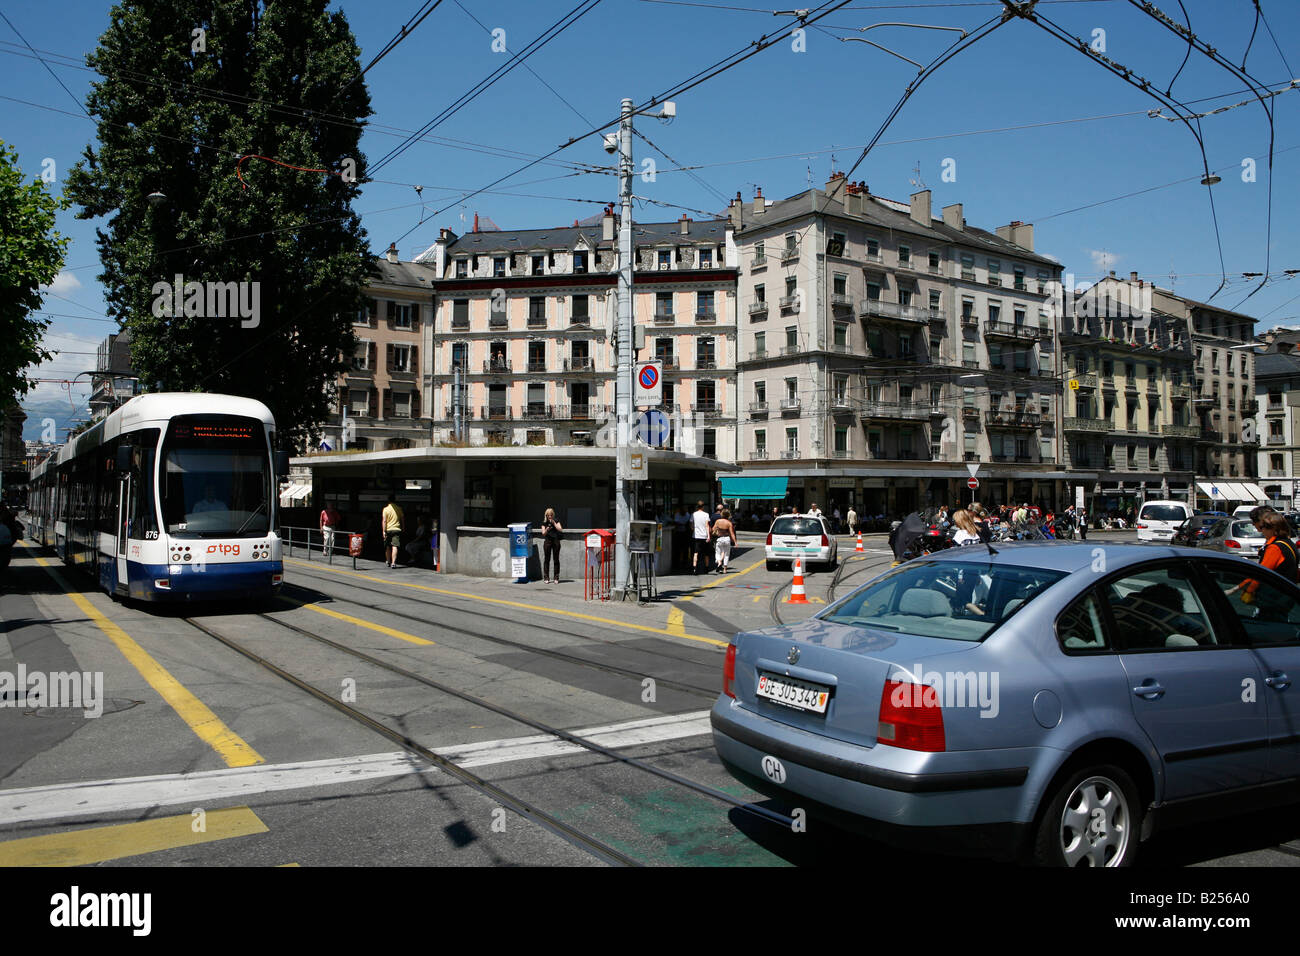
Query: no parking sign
x,y
648,384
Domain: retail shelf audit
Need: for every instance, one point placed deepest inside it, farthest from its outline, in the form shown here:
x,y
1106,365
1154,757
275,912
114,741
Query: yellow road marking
x,y
576,615
391,632
676,621
100,844
230,747
283,865
721,579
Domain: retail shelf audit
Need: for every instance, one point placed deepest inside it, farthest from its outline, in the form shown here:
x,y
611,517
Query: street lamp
x,y
156,199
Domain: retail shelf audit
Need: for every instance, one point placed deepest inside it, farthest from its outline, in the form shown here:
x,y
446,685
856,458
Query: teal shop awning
x,y
753,487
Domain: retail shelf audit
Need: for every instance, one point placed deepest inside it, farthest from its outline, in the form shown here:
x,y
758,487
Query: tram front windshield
x,y
216,478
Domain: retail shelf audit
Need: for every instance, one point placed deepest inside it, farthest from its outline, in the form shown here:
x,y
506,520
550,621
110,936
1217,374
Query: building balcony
x,y
449,413
970,411
841,301
1014,418
497,367
537,321
704,364
840,453
969,318
789,255
495,412
896,411
583,319
1010,330
460,325
1277,473
759,262
758,355
791,405
665,318
1276,439
758,408
791,349
1017,458
883,311
789,303
498,320
536,413
1180,431
579,412
1272,409
583,365
1086,379
758,308
1180,393
937,316
707,409
706,318
669,362
537,366
1088,425
1250,406
843,348
841,403
790,453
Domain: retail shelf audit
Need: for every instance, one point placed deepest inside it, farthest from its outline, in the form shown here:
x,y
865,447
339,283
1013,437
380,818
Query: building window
x,y
760,255
366,315
841,335
709,443
704,353
840,386
791,244
460,314
904,255
361,358
401,404
873,249
537,310
665,258
873,291
401,315
968,268
401,358
664,304
664,351
995,310
792,338
967,310
359,402
904,297
760,443
462,268
498,265
934,262
579,262
791,388
841,440
706,258
459,355
759,293
539,265
840,284
704,303
935,298
760,344
580,314
792,439
995,268
1018,273
760,393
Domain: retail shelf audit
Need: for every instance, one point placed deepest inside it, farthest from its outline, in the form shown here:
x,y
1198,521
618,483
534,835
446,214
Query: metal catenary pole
x,y
623,379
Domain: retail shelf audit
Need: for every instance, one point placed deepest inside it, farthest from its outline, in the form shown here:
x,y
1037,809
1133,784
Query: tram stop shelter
x,y
471,494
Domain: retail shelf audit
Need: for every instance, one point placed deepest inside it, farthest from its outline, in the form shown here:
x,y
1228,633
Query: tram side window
x,y
144,512
105,462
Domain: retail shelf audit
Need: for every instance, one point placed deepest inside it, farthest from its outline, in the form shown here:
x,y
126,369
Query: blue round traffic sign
x,y
649,377
653,427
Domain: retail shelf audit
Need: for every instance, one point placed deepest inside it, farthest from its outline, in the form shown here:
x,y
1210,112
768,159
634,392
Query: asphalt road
x,y
203,756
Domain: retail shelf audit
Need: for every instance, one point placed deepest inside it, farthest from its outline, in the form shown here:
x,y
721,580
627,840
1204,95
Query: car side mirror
x,y
123,459
281,464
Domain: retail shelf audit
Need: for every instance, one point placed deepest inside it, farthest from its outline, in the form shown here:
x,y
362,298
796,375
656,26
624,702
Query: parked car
x,y
1035,701
1234,536
1192,531
801,536
1157,520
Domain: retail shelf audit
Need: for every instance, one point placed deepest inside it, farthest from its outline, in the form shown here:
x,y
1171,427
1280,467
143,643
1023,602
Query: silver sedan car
x,y
1050,701
1235,537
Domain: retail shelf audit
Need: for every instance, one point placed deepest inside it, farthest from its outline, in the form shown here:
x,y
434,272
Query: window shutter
x,y
392,313
415,359
415,404
415,317
388,352
388,403
371,356
372,406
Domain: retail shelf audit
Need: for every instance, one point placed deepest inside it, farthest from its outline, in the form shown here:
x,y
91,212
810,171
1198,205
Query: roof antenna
x,y
916,180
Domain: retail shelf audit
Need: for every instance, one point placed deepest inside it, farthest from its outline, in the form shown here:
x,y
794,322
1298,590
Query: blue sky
x,y
1032,128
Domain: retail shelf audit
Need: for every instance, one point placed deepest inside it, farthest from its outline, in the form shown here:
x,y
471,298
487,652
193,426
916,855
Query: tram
x,y
173,496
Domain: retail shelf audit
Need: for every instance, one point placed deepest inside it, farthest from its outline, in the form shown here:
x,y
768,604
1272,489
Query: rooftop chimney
x,y
736,212
920,211
835,187
1018,234
759,203
952,217
476,222
392,252
685,223
445,235
1132,277
607,224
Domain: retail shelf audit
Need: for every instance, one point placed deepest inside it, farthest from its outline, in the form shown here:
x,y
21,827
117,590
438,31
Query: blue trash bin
x,y
521,546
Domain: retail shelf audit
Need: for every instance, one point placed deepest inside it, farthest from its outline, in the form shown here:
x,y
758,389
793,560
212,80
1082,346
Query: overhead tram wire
x,y
80,105
1276,45
406,30
1255,87
547,35
1025,11
698,180
717,68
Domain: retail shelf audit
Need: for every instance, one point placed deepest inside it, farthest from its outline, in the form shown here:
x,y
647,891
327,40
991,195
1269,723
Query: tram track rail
x,y
569,834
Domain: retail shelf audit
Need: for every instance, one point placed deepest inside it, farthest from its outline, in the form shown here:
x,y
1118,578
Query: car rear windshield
x,y
956,600
1162,513
1244,529
797,526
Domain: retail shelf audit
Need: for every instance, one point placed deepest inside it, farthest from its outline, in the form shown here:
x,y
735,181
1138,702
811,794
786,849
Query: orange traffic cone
x,y
797,595
859,547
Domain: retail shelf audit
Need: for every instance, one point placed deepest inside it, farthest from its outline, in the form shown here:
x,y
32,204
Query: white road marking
x,y
96,797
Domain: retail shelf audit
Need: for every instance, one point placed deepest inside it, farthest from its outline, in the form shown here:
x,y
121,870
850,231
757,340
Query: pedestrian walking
x,y
967,532
724,538
551,530
1083,524
329,520
700,530
391,526
852,517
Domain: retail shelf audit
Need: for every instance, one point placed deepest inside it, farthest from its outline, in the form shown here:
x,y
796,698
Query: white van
x,y
1158,520
1243,512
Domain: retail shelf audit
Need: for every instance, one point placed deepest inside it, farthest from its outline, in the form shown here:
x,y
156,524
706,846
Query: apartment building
x,y
385,390
1131,412
114,382
1225,367
882,349
524,340
1277,423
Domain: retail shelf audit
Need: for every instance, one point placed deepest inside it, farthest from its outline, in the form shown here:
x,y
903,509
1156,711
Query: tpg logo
x,y
223,549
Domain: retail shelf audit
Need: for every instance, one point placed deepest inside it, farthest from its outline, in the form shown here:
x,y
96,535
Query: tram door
x,y
123,526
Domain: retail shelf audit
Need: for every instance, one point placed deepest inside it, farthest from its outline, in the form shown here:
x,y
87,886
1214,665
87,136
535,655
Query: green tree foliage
x,y
189,88
31,254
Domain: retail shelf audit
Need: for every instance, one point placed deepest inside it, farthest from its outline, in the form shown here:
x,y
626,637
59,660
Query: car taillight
x,y
1141,525
1231,544
826,542
911,717
769,539
729,672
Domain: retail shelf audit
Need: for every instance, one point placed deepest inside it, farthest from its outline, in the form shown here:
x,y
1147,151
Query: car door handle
x,y
1278,681
1149,690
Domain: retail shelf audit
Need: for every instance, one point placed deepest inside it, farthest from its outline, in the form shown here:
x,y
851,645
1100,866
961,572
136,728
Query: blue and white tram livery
x,y
171,497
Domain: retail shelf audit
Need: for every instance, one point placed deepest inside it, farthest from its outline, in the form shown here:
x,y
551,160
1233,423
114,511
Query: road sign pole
x,y
623,378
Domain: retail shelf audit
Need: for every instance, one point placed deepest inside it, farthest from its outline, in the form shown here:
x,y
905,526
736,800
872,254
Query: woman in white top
x,y
967,531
